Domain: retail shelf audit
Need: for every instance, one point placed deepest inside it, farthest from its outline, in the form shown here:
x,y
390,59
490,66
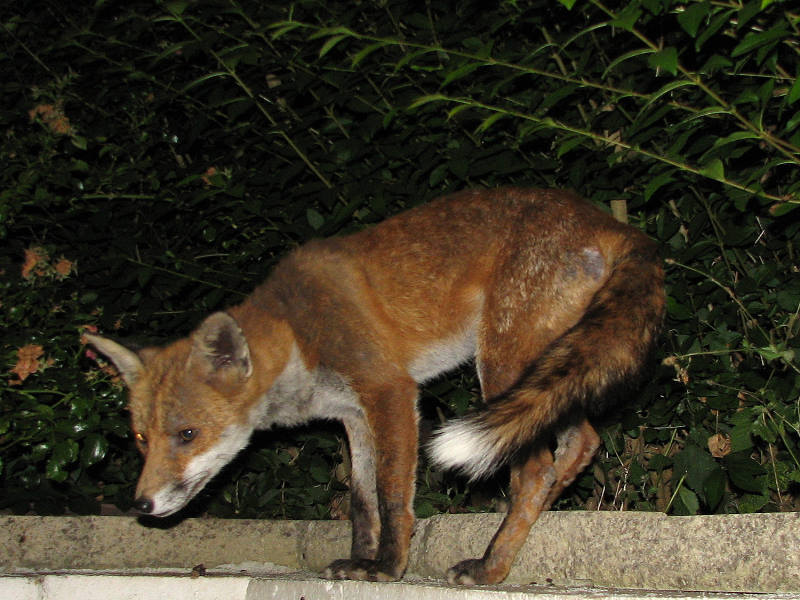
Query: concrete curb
x,y
734,553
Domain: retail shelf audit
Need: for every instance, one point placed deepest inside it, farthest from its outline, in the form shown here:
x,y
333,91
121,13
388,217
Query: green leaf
x,y
569,143
94,449
203,79
714,64
80,165
778,210
714,169
789,300
714,488
283,27
332,31
177,6
330,44
689,500
628,17
459,72
78,141
65,452
754,40
735,137
751,503
315,219
459,108
794,92
54,471
656,183
409,57
626,56
747,12
437,175
678,311
366,51
745,473
741,438
659,462
320,474
671,86
568,3
773,352
422,100
691,18
489,121
666,59
696,464
721,20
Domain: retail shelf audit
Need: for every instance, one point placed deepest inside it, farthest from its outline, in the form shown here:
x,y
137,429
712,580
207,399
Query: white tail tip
x,y
467,447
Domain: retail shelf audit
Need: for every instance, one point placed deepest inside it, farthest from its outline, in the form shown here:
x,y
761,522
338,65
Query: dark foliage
x,y
158,158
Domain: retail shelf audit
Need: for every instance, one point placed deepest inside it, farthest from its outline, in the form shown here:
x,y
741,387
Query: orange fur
x,y
556,302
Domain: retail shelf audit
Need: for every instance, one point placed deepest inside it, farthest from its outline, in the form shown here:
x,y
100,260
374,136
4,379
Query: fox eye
x,y
141,441
187,435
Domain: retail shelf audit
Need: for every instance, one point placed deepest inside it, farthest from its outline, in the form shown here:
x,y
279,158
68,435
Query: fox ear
x,y
220,342
128,363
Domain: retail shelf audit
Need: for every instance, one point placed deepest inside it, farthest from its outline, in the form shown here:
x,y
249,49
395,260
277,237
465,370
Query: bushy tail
x,y
604,350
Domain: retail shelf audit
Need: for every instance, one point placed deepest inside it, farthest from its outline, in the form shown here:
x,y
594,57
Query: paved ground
x,y
291,586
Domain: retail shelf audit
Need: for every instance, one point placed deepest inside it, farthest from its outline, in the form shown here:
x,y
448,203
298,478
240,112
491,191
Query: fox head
x,y
189,409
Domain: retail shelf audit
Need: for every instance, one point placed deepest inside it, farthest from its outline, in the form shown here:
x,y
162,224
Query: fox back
x,y
555,301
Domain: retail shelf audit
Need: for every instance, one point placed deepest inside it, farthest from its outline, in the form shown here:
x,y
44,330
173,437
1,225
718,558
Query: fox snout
x,y
143,505
171,478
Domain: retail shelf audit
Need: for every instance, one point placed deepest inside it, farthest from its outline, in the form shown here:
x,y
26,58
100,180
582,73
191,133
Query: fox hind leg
x,y
576,447
536,483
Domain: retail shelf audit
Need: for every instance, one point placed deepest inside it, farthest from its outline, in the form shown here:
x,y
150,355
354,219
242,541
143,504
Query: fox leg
x,y
535,484
364,515
576,447
392,417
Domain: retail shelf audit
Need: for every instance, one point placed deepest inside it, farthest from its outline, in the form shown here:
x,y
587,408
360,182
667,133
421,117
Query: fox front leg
x,y
391,415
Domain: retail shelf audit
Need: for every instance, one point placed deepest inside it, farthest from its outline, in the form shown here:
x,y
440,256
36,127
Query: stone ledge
x,y
734,553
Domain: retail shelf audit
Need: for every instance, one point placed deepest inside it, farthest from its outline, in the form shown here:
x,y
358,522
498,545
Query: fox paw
x,y
361,569
472,572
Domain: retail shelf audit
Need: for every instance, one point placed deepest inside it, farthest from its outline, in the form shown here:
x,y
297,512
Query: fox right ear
x,y
127,361
220,343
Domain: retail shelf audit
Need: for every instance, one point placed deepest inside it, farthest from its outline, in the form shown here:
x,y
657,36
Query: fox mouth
x,y
168,501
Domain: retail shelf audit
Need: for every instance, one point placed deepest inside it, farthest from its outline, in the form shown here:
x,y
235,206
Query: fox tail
x,y
603,351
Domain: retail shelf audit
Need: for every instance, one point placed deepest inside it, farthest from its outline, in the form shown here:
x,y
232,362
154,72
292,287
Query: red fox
x,y
556,302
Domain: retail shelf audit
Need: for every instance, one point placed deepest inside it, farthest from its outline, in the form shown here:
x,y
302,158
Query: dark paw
x,y
361,569
468,572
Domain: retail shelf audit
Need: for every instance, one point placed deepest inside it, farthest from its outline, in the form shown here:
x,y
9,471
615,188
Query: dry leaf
x,y
206,177
35,261
53,116
63,267
27,362
719,445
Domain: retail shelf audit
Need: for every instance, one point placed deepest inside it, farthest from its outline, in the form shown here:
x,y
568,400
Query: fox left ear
x,y
219,341
128,363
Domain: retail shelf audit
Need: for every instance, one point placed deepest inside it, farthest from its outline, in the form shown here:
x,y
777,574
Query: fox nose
x,y
143,505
